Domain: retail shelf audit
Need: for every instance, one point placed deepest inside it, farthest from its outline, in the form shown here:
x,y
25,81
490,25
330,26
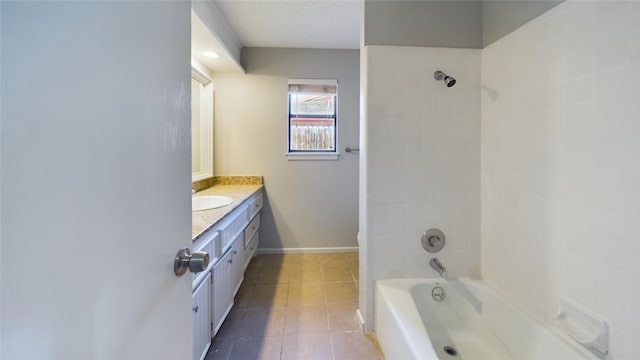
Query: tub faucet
x,y
437,266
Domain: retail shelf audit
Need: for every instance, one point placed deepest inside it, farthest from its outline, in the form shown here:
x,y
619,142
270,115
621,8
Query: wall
x,y
457,24
560,162
310,204
421,154
423,23
501,17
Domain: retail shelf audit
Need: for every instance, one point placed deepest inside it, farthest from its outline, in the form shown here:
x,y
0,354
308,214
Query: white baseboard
x,y
306,250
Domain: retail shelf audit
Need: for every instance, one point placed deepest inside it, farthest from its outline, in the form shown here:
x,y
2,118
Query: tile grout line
x,y
325,302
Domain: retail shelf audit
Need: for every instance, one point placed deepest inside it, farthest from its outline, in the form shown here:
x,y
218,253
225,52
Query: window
x,y
312,119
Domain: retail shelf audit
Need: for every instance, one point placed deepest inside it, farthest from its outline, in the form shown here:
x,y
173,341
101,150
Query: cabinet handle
x,y
230,261
234,252
195,309
257,205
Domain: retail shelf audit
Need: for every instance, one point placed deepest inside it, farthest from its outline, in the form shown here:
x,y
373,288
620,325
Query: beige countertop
x,y
201,221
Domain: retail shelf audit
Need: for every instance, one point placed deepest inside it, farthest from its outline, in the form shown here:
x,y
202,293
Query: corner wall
x,y
309,204
435,23
421,145
560,164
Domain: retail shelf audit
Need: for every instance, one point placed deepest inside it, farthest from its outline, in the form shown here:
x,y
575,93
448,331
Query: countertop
x,y
201,221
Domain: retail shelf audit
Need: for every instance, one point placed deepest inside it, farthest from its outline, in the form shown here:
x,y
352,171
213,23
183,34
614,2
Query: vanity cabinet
x,y
201,302
231,244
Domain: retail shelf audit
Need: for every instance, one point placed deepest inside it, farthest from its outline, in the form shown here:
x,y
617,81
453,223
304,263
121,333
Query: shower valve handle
x,y
434,241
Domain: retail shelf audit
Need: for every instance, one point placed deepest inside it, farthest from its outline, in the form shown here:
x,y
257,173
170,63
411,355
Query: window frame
x,y
308,154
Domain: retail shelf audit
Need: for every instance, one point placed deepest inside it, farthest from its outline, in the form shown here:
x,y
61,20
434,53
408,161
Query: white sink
x,y
209,202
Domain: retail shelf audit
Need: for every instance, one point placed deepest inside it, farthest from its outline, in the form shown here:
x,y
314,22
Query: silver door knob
x,y
196,262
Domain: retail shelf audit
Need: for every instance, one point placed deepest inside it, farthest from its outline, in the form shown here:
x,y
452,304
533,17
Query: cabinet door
x,y
201,319
237,264
222,293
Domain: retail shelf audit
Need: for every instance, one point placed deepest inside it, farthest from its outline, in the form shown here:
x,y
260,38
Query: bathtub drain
x,y
438,294
450,351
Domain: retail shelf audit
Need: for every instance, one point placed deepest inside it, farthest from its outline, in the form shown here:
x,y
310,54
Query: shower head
x,y
448,80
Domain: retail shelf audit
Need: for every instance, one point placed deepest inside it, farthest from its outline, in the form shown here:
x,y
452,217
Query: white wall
x,y
309,204
501,17
560,164
421,148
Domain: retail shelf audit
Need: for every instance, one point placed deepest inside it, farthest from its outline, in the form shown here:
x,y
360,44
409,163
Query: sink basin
x,y
209,202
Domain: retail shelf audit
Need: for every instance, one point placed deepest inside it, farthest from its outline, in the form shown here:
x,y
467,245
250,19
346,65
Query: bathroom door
x,y
96,178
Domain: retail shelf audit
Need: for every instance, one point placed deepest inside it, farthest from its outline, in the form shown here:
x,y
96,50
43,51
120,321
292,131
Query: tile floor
x,y
296,306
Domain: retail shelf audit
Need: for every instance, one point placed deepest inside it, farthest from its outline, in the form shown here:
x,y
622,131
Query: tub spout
x,y
437,266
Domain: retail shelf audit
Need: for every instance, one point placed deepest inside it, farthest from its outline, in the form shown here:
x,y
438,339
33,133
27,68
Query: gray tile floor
x,y
296,306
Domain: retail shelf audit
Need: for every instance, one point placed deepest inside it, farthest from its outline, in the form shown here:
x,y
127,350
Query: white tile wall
x,y
421,148
561,164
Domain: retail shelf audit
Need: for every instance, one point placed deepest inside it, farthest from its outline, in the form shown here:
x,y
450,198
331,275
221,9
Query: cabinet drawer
x,y
251,249
237,222
255,205
252,228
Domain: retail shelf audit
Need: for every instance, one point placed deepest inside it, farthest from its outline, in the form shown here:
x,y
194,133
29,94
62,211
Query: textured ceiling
x,y
319,24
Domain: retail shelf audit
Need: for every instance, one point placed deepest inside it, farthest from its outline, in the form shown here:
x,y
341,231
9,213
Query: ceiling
x,y
202,40
336,24
313,24
316,24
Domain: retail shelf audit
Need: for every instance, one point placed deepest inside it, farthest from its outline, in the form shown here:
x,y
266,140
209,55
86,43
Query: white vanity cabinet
x,y
231,244
200,315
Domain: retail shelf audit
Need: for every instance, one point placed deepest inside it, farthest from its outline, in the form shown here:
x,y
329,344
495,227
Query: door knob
x,y
196,262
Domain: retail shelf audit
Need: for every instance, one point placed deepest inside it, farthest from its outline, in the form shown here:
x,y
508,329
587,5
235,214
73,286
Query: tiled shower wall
x,y
561,164
421,164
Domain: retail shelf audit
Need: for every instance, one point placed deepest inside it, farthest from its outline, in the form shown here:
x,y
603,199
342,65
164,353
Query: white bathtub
x,y
473,319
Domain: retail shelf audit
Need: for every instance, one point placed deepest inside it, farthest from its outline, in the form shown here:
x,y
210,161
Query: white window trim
x,y
314,155
332,82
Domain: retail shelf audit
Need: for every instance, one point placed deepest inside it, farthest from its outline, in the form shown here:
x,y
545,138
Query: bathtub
x,y
472,322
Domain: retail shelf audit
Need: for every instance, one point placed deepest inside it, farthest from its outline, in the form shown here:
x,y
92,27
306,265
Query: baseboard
x,y
306,250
